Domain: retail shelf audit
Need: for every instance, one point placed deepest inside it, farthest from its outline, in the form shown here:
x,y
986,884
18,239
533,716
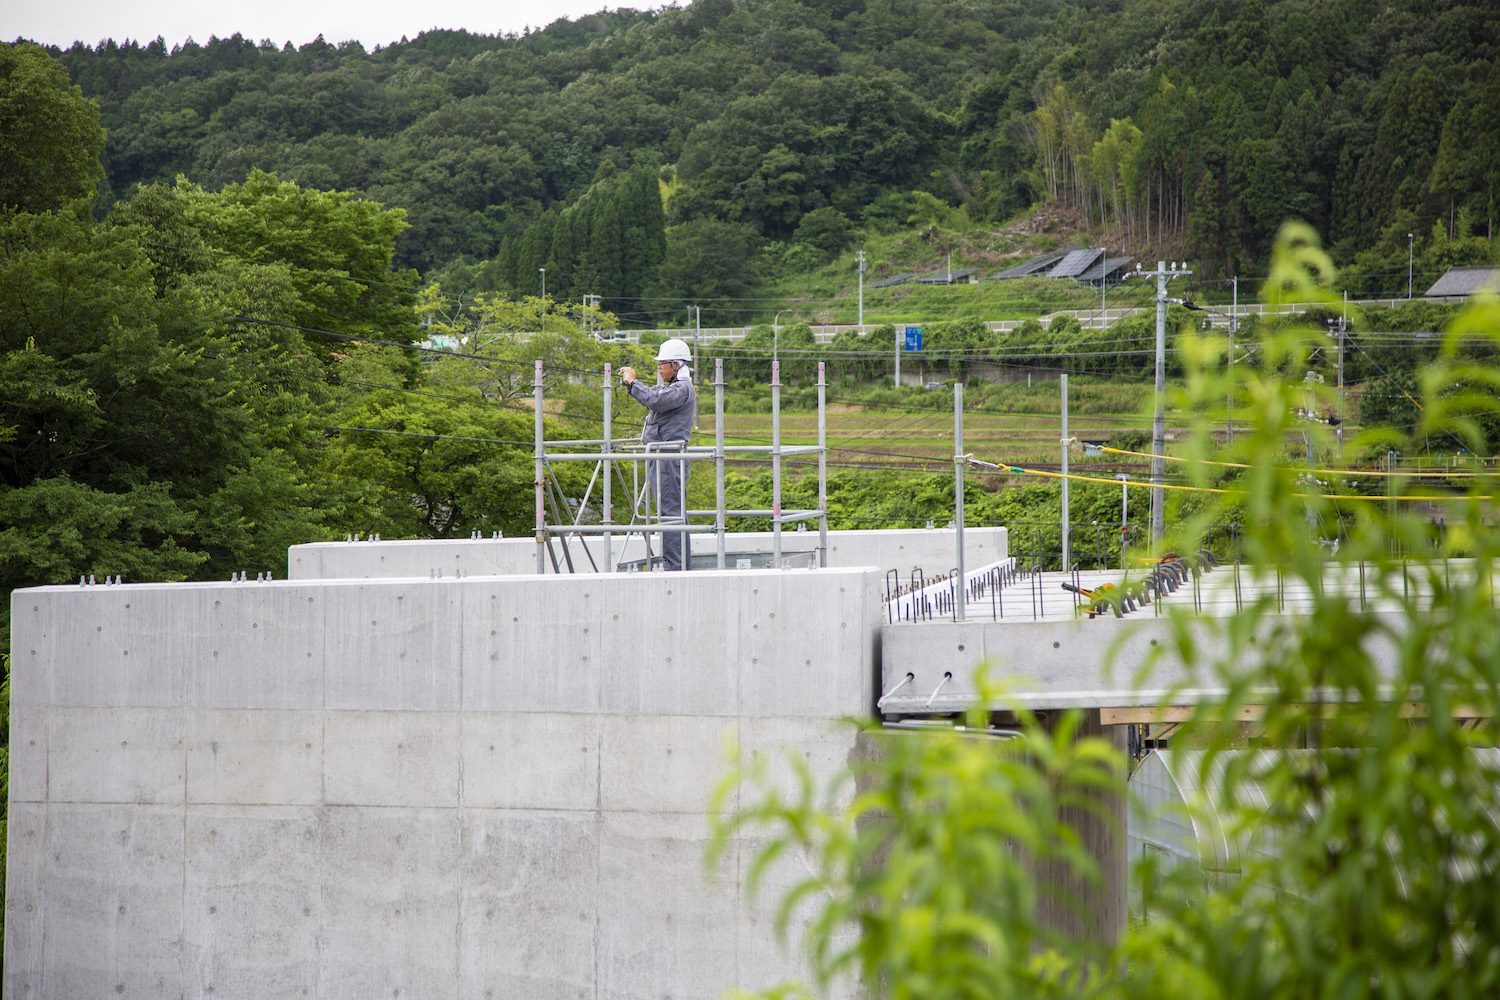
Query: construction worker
x,y
673,406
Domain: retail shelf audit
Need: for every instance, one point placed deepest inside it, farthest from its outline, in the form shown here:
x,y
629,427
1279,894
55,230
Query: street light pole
x,y
776,336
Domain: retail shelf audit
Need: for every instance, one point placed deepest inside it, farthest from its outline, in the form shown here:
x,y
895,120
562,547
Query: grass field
x,y
923,439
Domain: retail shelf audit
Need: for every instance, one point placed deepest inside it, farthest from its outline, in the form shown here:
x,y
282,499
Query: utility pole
x,y
590,299
1162,274
544,298
1103,284
1234,326
862,265
1343,326
1336,327
1311,380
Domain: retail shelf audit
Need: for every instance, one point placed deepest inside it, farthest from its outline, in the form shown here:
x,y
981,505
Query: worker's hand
x,y
627,374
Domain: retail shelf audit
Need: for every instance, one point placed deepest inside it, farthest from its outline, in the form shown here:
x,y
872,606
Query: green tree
x,y
643,244
920,876
860,357
826,230
1451,165
436,463
602,263
336,250
708,263
533,252
1485,145
504,338
50,136
954,343
124,451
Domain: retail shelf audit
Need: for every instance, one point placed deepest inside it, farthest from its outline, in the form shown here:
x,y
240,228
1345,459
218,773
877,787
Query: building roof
x,y
895,279
1464,281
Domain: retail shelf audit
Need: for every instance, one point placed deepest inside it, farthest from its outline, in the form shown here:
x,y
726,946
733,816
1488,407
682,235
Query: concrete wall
x,y
477,788
1086,663
934,551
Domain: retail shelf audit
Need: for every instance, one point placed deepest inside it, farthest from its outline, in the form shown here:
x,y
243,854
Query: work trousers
x,y
668,480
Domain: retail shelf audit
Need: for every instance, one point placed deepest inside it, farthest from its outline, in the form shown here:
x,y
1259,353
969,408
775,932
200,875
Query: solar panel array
x,y
1075,263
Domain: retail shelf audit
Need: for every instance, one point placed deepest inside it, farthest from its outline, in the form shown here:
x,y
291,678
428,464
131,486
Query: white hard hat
x,y
673,350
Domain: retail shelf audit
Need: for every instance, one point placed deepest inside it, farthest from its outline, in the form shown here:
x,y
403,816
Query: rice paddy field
x,y
923,439
1015,424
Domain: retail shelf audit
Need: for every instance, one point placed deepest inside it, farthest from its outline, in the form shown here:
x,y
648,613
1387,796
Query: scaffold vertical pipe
x,y
541,451
776,464
822,467
1067,524
960,611
608,468
719,518
1159,417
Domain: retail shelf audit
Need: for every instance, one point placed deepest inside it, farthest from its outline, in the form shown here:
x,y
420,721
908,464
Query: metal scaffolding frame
x,y
612,452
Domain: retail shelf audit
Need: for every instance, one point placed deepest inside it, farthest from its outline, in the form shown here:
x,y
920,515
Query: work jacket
x,y
673,408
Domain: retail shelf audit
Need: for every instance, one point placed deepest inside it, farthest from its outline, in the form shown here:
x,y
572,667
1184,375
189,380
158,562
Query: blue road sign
x,y
914,338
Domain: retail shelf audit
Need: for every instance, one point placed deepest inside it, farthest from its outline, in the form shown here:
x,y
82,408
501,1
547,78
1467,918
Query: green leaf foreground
x,y
1380,806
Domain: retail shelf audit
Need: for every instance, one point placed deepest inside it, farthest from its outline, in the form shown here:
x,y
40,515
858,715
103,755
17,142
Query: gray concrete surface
x,y
478,787
934,550
1084,663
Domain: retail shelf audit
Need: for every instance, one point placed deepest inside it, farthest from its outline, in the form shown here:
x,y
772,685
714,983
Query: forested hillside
x,y
1177,127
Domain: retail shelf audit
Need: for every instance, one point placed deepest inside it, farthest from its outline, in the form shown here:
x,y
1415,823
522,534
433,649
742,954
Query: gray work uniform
x,y
673,409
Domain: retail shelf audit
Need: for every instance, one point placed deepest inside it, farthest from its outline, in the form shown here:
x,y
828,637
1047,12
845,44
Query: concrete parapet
x,y
1086,663
488,786
932,550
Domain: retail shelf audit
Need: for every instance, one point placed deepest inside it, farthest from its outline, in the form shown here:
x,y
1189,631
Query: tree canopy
x,y
50,136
